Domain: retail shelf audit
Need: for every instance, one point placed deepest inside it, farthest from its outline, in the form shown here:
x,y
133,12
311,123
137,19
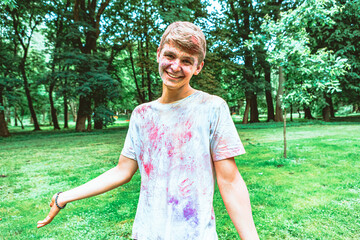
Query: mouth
x,y
174,76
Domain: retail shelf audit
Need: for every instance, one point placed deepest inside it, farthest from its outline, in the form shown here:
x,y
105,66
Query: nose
x,y
175,66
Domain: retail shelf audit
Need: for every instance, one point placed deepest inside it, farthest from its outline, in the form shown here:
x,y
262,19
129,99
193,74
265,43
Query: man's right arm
x,y
107,181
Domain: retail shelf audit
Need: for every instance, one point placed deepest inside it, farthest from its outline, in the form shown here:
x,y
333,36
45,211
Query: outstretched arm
x,y
107,181
236,198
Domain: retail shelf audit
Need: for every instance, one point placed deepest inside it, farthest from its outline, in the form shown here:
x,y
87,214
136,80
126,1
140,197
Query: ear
x,y
158,54
198,68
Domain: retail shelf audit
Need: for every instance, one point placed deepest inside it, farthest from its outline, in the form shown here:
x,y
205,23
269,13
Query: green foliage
x,y
181,10
342,38
307,72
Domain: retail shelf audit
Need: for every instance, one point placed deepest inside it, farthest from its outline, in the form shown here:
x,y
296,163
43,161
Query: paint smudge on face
x,y
190,213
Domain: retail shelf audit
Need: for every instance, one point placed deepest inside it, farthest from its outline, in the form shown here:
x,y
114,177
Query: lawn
x,y
313,194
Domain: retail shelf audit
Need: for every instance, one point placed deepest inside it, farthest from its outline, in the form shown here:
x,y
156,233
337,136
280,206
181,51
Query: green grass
x,y
313,194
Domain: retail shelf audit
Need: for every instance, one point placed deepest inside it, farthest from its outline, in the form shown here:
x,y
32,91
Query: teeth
x,y
173,76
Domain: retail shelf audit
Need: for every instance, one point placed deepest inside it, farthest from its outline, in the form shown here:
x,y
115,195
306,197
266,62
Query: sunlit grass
x,y
313,194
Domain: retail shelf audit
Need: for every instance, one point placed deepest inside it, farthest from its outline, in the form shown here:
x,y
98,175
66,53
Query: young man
x,y
180,143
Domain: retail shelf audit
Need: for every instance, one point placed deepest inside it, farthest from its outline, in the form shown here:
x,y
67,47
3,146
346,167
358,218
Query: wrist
x,y
60,200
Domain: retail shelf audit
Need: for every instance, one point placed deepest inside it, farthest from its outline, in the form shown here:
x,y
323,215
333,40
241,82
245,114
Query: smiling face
x,y
177,67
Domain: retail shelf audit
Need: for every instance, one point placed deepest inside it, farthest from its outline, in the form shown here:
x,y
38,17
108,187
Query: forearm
x,y
109,180
237,202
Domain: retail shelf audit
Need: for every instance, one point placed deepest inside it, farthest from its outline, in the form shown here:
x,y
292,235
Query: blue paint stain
x,y
190,212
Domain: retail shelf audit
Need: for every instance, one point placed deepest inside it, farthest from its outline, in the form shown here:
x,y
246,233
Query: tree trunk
x,y
291,112
85,11
66,112
8,116
28,96
140,94
307,112
246,113
326,109
98,122
285,143
15,117
147,59
248,72
88,123
25,47
269,101
254,114
331,105
4,131
54,118
280,93
73,109
355,108
83,114
44,117
22,125
326,114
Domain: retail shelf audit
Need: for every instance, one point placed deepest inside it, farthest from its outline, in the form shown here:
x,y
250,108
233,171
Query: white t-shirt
x,y
175,145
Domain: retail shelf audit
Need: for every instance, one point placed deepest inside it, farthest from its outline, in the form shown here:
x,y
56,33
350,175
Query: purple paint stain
x,y
190,212
174,200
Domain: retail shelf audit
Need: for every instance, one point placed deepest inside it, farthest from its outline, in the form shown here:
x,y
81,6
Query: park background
x,y
71,72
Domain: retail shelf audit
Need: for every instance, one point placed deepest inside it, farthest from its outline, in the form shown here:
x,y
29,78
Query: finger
x,y
44,222
53,212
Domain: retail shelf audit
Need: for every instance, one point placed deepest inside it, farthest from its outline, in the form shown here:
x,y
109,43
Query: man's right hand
x,y
53,212
107,181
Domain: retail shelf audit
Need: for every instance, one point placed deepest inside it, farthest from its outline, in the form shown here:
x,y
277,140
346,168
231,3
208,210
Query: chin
x,y
171,86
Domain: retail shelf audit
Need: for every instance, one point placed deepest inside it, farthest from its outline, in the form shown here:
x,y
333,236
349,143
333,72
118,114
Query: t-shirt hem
x,y
128,156
229,155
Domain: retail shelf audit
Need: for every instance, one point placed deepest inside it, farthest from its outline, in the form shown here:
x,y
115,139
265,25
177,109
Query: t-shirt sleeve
x,y
224,138
129,148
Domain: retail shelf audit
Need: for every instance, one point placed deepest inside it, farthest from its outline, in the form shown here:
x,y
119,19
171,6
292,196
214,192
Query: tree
x,y
309,75
86,27
342,38
25,17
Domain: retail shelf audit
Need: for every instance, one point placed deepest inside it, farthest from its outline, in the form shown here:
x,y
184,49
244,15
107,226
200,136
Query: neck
x,y
173,95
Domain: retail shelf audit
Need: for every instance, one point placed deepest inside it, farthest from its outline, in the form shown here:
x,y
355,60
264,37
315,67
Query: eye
x,y
187,62
169,56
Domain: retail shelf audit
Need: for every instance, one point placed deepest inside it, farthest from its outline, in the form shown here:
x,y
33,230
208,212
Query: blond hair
x,y
187,36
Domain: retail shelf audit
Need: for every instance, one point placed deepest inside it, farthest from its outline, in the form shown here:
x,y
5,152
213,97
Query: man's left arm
x,y
235,195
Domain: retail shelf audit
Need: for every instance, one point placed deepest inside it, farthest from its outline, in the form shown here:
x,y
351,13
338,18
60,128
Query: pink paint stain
x,y
188,136
142,110
185,187
148,167
170,149
155,135
212,214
